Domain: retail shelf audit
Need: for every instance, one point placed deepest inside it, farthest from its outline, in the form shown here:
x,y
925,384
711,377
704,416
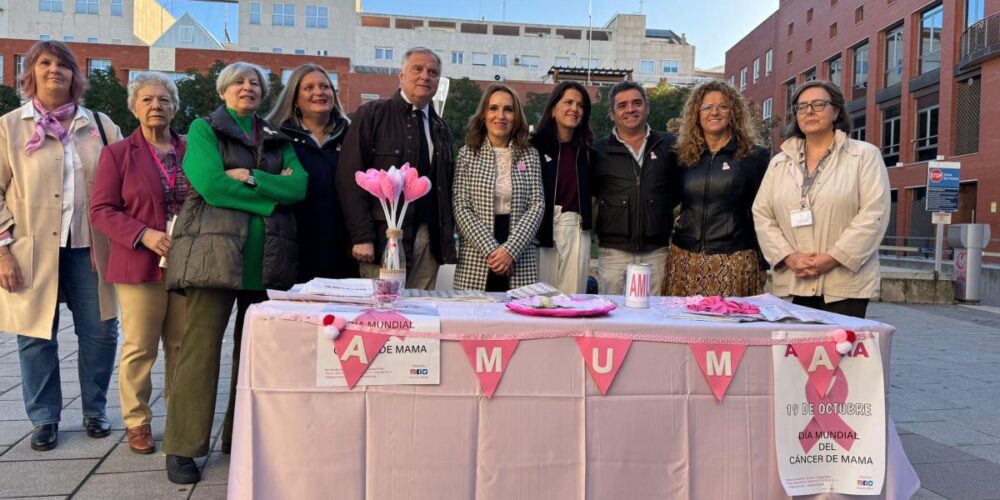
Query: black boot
x,y
45,437
182,470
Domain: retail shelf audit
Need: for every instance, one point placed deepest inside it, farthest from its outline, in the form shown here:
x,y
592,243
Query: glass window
x,y
479,59
97,65
530,62
283,14
975,11
836,70
334,79
277,50
743,77
500,60
1,70
768,62
789,91
18,66
457,57
930,39
765,110
117,9
44,38
561,62
858,127
86,6
69,38
810,75
91,39
861,66
647,66
890,135
671,66
927,133
894,56
383,53
255,12
756,69
317,16
300,52
50,5
187,34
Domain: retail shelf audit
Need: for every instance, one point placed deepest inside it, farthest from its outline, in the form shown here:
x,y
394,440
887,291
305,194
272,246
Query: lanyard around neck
x,y
170,177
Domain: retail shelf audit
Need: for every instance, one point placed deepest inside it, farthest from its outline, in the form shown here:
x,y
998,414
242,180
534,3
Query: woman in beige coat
x,y
48,156
823,208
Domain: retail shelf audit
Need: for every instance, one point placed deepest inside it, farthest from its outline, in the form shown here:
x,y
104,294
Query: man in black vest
x,y
387,132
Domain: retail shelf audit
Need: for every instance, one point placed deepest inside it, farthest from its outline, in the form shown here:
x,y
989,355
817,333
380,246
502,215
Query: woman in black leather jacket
x,y
715,249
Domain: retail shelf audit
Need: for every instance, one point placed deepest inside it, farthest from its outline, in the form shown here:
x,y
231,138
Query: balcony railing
x,y
980,42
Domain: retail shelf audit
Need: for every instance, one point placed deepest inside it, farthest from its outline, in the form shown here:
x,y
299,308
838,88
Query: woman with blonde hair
x,y
714,250
309,112
498,200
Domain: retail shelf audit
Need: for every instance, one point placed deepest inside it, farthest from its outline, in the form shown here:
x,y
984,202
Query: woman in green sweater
x,y
233,239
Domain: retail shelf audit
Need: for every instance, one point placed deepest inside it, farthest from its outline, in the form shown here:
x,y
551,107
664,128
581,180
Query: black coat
x,y
382,135
324,242
634,204
548,153
716,196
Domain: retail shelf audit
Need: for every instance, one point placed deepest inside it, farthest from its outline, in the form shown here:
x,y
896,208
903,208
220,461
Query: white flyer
x,y
401,361
832,442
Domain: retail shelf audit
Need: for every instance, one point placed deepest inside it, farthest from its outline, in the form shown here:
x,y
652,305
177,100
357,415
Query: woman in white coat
x,y
48,158
498,200
823,207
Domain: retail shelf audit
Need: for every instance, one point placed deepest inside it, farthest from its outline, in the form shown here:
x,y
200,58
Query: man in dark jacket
x,y
631,173
387,132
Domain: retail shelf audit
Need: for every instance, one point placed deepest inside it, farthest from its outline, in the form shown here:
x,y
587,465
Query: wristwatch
x,y
251,181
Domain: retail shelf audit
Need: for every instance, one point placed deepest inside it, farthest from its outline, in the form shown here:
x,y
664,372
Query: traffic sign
x,y
942,186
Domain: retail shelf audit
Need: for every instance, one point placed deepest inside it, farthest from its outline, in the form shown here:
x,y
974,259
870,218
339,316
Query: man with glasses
x,y
632,171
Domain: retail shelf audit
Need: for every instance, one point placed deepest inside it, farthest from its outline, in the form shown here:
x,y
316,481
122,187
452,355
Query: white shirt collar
x,y
425,109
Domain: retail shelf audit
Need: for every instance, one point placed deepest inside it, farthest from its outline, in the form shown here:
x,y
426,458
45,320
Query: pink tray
x,y
521,308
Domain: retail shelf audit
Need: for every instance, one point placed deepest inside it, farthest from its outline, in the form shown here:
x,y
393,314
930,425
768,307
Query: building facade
x,y
921,79
122,22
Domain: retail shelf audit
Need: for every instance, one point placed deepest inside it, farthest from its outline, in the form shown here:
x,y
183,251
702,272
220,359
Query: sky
x,y
713,27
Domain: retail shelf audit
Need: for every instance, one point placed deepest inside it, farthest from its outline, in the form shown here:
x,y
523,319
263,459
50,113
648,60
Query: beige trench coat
x,y
30,190
850,207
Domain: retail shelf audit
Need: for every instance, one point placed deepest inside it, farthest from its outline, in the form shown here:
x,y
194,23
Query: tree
x,y
463,99
198,96
600,122
274,88
665,102
8,100
534,106
107,95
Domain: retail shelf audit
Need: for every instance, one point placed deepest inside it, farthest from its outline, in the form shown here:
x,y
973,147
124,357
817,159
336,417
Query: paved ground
x,y
944,397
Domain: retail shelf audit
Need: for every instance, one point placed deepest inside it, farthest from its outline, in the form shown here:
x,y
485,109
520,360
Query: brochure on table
x,y
829,417
410,361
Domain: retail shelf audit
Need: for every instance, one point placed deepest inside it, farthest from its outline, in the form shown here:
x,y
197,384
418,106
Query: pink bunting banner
x,y
820,360
718,364
489,360
603,357
357,349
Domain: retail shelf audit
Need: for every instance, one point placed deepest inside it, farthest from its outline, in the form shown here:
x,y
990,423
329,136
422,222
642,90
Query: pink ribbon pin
x,y
521,166
826,419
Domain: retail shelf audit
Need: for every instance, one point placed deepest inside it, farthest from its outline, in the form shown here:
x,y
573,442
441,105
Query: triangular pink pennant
x,y
357,350
489,359
814,353
603,357
718,364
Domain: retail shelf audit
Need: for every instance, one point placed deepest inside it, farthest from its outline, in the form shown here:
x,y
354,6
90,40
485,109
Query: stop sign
x,y
937,175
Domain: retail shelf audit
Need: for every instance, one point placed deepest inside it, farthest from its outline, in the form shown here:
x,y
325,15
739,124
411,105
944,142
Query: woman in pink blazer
x,y
138,189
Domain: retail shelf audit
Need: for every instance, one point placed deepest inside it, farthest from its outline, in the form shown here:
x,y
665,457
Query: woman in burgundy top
x,y
562,138
138,189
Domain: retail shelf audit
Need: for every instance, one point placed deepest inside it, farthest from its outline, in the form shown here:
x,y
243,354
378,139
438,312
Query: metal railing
x,y
923,247
980,39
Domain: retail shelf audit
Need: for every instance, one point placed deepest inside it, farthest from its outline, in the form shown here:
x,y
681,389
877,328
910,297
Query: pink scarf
x,y
49,122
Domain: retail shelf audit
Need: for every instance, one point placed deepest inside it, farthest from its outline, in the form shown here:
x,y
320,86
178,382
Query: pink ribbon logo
x,y
826,421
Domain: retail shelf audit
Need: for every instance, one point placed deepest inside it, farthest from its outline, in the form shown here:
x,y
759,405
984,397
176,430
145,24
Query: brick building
x,y
921,77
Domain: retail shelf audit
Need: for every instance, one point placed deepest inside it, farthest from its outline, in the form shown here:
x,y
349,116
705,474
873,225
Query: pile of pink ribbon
x,y
719,305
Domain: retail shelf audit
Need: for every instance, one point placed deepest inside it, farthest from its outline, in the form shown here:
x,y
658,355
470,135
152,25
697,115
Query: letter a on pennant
x,y
718,364
356,351
603,357
820,360
489,359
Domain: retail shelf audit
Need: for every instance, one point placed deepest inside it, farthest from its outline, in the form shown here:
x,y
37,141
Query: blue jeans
x,y
98,341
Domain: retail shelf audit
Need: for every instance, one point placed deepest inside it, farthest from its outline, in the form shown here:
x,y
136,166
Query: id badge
x,y
802,218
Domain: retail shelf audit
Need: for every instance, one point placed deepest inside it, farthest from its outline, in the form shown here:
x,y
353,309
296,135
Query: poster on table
x,y
409,361
829,417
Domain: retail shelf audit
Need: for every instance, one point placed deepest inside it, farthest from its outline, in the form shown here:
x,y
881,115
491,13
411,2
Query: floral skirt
x,y
727,274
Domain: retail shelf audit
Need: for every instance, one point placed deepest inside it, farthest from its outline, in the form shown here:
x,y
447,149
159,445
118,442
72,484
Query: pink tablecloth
x,y
547,433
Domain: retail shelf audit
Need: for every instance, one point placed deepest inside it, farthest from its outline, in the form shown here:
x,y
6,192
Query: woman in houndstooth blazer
x,y
498,199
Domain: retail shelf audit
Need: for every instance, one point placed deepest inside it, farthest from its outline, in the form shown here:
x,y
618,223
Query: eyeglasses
x,y
722,108
816,106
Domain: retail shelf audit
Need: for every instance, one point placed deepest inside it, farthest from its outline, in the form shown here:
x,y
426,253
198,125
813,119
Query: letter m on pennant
x,y
718,363
489,359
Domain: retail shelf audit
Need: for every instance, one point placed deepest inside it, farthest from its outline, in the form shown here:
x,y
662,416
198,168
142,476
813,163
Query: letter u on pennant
x,y
489,359
718,364
603,357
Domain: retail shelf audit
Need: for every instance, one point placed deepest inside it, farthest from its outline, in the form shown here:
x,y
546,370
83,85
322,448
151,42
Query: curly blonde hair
x,y
691,139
